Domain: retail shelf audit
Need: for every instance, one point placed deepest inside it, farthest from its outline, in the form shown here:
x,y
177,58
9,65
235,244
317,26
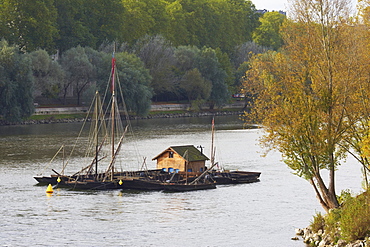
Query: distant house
x,y
181,158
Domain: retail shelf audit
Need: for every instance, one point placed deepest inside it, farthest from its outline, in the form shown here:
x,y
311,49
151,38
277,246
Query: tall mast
x,y
186,156
113,109
212,145
96,134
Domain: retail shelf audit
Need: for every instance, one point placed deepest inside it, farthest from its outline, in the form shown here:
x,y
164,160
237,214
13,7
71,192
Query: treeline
x,y
169,50
152,69
63,24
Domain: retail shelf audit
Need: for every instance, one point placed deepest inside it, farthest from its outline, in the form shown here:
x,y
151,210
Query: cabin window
x,y
190,170
171,155
201,169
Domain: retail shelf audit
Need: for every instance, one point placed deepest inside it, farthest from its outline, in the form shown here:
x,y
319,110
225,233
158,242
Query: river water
x,y
265,213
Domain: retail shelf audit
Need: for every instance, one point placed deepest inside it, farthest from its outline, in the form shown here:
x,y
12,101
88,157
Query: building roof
x,y
193,154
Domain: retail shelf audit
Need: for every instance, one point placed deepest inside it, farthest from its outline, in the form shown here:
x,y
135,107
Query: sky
x,y
271,4
276,4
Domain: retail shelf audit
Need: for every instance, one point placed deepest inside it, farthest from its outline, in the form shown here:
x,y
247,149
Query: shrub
x,y
332,224
355,218
344,196
318,222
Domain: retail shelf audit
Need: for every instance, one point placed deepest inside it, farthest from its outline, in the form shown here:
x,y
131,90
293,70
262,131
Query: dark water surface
x,y
258,214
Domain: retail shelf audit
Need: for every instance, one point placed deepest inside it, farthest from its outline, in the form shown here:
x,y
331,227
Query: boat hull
x,y
235,177
92,185
188,187
150,185
43,180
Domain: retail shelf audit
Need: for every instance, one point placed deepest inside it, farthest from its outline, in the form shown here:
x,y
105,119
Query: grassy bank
x,y
56,116
76,117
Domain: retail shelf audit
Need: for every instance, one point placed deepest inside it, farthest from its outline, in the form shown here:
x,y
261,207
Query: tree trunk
x,y
318,195
78,98
326,196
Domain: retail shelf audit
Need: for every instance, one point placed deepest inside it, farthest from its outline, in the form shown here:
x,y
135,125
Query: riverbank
x,y
347,225
321,239
79,117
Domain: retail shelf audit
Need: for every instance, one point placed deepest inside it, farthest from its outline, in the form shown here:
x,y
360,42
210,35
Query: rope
x,y
52,159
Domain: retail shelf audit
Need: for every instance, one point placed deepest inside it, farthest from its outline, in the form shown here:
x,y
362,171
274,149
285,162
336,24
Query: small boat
x,y
229,177
44,180
235,177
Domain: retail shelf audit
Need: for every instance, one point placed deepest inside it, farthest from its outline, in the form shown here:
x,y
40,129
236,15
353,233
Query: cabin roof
x,y
193,153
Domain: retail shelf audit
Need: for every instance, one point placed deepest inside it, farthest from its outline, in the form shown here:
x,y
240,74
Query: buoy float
x,y
49,190
120,182
59,180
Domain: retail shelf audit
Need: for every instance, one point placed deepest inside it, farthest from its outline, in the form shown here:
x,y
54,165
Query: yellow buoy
x,y
120,182
49,190
59,180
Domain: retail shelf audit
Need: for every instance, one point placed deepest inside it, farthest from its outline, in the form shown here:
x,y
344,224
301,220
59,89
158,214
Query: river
x,y
265,213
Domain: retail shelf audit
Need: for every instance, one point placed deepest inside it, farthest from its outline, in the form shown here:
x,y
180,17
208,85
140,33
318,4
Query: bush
x,y
318,222
332,224
350,222
344,196
355,218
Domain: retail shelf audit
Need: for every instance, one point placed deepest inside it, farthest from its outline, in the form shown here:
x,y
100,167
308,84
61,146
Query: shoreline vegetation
x,y
79,117
345,226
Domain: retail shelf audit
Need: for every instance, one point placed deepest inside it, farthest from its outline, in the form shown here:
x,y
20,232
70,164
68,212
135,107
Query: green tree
x,y
80,72
305,97
134,81
105,20
177,31
146,17
196,88
186,57
268,33
158,56
97,60
227,66
207,63
239,19
72,25
16,83
218,24
89,23
29,24
46,73
211,70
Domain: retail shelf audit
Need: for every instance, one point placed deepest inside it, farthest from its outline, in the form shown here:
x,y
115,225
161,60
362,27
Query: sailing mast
x,y
96,134
212,144
113,109
186,156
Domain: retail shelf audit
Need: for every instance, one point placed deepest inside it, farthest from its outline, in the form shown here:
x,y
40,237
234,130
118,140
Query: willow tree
x,y
305,95
16,83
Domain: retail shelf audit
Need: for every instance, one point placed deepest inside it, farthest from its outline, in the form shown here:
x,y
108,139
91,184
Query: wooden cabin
x,y
181,158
